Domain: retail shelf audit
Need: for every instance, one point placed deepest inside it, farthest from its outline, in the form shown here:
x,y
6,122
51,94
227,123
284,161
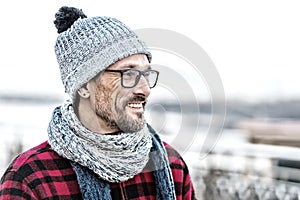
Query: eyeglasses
x,y
131,77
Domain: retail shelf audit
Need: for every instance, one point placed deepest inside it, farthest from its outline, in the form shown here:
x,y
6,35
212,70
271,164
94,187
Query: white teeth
x,y
135,105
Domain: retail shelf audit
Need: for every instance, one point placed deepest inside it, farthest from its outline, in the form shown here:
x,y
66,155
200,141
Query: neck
x,y
88,117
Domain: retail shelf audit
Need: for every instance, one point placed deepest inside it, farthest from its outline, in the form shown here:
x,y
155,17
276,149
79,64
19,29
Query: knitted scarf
x,y
99,158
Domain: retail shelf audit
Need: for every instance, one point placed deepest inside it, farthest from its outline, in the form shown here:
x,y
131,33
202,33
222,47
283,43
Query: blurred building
x,y
255,156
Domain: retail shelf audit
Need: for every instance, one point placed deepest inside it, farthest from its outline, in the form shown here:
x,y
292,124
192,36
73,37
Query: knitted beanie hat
x,y
86,46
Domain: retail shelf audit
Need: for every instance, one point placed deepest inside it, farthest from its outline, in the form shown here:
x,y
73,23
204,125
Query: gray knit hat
x,y
86,46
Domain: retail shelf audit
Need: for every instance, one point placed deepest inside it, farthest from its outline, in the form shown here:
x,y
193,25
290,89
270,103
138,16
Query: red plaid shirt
x,y
40,173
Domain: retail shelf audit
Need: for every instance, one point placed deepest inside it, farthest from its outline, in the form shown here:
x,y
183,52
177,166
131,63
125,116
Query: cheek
x,y
116,94
110,89
115,84
111,84
120,96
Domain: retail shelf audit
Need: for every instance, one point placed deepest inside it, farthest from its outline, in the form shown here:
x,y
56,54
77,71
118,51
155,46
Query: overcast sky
x,y
255,45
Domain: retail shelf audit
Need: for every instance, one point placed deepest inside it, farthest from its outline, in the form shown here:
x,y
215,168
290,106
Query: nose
x,y
142,88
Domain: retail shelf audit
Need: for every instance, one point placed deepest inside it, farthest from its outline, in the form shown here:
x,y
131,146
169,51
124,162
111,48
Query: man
x,y
99,146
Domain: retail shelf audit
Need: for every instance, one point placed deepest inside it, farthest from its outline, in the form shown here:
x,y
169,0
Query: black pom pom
x,y
66,16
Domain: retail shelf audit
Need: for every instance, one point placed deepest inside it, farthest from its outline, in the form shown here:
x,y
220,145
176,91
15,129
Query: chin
x,y
132,125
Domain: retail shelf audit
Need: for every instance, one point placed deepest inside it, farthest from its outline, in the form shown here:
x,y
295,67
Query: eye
x,y
130,72
147,73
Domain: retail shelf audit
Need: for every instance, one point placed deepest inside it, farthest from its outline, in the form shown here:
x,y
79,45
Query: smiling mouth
x,y
137,105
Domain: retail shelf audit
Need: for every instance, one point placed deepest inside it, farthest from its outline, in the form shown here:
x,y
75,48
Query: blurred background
x,y
254,45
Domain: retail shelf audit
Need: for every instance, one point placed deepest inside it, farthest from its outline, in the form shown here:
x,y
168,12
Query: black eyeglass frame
x,y
121,71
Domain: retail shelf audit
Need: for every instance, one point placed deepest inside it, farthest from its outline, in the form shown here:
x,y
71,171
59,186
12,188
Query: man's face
x,y
118,107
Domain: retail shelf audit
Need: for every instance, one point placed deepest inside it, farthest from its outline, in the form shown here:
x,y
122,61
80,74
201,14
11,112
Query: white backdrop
x,y
255,45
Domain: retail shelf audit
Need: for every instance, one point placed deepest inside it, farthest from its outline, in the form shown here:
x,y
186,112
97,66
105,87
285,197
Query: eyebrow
x,y
134,65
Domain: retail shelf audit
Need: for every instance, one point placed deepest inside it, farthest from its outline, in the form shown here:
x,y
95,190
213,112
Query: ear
x,y
84,92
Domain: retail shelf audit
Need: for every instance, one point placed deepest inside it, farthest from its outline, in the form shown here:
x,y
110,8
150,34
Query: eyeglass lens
x,y
132,77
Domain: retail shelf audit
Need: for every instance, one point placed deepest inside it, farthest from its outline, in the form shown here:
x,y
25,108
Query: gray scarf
x,y
99,159
93,188
115,158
